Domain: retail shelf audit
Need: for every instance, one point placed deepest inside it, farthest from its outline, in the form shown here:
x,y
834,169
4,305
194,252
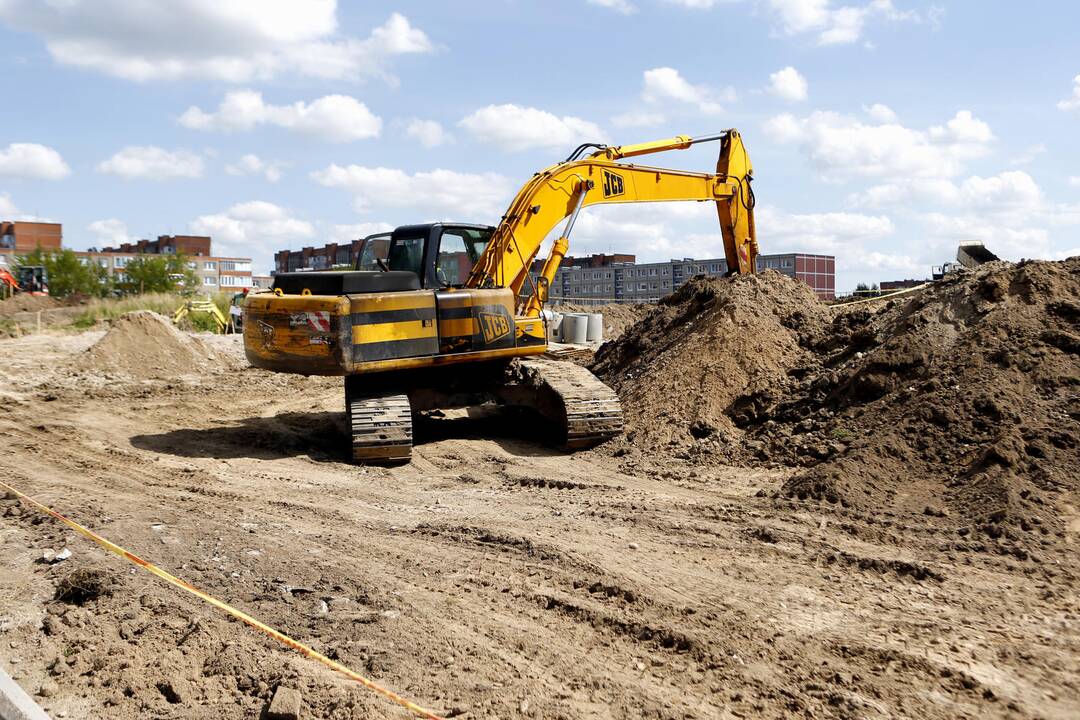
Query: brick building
x,y
23,237
166,245
333,255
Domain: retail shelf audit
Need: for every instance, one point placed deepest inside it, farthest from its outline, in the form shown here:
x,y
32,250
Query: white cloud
x,y
788,84
1013,243
255,229
651,231
621,6
7,207
695,4
149,162
963,129
335,118
1072,103
1009,190
230,40
855,239
638,119
880,113
841,146
837,25
110,231
513,127
1008,211
254,165
1029,154
32,162
427,132
348,232
463,196
1074,180
664,85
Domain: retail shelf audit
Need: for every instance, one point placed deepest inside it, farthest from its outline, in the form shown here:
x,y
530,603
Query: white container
x,y
595,327
554,323
575,328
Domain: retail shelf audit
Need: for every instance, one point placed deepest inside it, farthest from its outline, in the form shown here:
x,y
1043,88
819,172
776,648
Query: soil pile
x,y
146,345
962,401
679,368
23,302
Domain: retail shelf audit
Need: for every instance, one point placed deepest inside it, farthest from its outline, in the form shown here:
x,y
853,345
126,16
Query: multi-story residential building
x,y
166,245
214,273
648,282
333,255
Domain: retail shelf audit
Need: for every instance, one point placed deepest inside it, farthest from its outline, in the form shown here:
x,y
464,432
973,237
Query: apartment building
x,y
166,245
214,273
648,282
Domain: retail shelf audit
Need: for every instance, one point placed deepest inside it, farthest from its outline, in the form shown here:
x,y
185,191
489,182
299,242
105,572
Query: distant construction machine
x,y
453,318
969,256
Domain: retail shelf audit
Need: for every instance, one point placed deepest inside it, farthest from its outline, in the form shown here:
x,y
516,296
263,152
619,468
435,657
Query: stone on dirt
x,y
285,705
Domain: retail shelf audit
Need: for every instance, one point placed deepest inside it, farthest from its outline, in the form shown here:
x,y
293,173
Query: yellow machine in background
x,y
201,306
455,313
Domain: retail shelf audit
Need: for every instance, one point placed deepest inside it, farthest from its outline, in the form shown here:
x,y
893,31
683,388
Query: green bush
x,y
157,274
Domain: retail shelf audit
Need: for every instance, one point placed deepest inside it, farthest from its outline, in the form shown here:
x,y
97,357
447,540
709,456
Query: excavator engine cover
x,y
345,282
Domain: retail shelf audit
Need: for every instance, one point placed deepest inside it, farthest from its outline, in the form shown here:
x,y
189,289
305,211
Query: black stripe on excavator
x,y
526,340
385,316
464,313
393,349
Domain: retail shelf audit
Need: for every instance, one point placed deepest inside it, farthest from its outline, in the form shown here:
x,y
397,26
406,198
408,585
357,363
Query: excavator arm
x,y
561,191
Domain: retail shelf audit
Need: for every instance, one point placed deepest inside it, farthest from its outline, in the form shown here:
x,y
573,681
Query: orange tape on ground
x,y
238,614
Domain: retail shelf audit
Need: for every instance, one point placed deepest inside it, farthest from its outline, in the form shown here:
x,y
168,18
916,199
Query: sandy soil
x,y
491,577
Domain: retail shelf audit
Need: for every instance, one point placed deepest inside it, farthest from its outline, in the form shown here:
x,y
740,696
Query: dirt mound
x,y
27,303
145,345
679,368
962,401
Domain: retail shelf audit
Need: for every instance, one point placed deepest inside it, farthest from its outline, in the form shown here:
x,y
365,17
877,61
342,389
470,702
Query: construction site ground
x,y
492,577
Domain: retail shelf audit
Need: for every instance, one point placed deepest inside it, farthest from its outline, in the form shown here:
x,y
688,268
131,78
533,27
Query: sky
x,y
883,132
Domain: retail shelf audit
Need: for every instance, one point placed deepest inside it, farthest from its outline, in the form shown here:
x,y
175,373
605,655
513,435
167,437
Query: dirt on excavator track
x,y
853,513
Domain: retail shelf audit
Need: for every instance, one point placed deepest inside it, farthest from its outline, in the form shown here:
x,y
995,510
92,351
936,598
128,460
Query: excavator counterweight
x,y
453,318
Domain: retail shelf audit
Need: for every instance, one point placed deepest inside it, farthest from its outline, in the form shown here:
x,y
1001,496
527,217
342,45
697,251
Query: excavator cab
x,y
441,255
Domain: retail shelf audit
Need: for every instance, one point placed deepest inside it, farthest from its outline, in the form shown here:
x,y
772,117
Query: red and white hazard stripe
x,y
319,321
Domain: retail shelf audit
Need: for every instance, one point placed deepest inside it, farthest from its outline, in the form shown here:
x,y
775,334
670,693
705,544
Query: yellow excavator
x,y
453,318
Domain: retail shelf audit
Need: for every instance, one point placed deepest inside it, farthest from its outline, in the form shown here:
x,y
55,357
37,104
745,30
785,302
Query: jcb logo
x,y
613,184
494,327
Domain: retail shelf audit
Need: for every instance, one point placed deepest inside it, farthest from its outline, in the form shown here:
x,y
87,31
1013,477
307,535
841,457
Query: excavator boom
x,y
562,190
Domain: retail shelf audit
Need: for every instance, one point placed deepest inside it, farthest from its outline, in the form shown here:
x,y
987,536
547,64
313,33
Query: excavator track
x,y
568,393
380,427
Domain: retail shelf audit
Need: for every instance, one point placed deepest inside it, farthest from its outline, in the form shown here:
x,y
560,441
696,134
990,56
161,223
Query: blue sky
x,y
883,132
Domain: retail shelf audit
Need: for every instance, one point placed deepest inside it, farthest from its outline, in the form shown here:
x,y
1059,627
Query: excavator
x,y
453,316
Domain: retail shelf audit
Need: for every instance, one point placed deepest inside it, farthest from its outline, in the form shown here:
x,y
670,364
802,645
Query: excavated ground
x,y
686,575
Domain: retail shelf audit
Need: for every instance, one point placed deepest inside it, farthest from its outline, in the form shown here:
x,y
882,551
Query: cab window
x,y
407,254
459,249
375,249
